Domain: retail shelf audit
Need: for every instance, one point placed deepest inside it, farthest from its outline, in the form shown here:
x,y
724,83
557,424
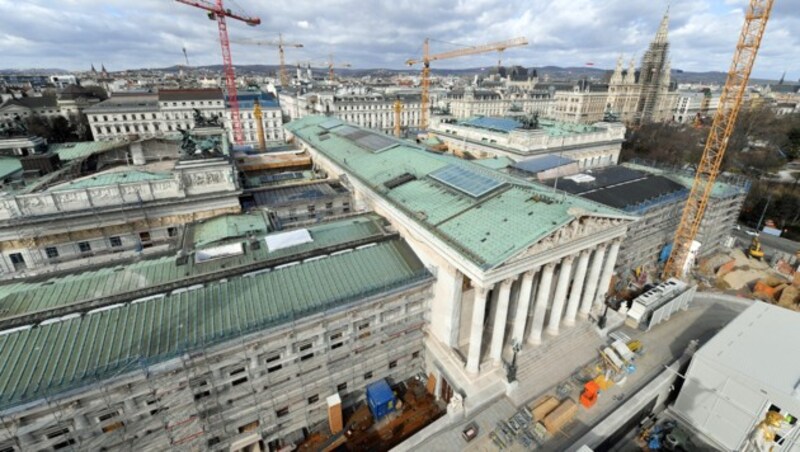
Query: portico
x,y
515,263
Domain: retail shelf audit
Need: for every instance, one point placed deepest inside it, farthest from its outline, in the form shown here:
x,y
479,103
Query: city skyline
x,y
152,34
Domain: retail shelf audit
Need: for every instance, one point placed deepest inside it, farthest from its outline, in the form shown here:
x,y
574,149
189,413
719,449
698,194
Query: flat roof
x,y
298,193
542,163
9,166
759,343
76,352
80,149
228,227
486,230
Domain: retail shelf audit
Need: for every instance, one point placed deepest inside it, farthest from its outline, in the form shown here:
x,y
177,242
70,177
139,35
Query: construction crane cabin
x,y
426,67
217,11
730,102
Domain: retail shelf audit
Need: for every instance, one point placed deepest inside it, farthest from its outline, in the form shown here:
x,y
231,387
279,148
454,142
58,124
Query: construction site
x,y
354,290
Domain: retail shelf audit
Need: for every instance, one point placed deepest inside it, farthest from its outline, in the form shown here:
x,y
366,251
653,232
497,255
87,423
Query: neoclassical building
x,y
514,263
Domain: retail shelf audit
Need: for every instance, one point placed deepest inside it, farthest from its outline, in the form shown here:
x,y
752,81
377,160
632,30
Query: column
x,y
523,304
476,329
608,272
540,307
500,321
591,282
455,313
560,296
577,289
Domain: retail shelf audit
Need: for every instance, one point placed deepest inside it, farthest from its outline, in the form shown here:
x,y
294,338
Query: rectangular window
x,y
115,241
367,375
84,247
144,236
392,364
52,252
342,386
172,232
283,412
313,399
415,355
329,205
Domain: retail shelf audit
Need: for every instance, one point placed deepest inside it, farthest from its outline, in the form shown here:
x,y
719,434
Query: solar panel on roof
x,y
466,181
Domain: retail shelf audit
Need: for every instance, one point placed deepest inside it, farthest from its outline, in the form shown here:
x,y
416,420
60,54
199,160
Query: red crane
x,y
217,11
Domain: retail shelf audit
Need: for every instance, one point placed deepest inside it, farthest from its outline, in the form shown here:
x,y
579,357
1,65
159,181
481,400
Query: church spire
x,y
661,35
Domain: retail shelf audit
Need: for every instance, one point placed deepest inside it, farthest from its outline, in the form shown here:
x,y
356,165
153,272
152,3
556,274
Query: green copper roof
x,y
496,163
80,149
487,230
26,297
227,227
9,166
113,178
69,354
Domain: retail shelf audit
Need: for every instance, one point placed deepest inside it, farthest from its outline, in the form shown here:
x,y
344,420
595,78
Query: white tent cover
x,y
217,252
288,239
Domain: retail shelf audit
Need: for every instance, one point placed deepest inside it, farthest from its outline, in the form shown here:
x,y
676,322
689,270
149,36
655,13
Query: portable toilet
x,y
380,399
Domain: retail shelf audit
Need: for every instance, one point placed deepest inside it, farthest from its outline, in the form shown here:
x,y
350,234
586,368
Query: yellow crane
x,y
398,110
262,143
730,103
280,44
426,66
331,66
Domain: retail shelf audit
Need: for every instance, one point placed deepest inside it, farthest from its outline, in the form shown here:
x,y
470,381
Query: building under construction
x,y
234,345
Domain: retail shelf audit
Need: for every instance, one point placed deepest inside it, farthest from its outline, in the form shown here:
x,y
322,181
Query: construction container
x,y
380,399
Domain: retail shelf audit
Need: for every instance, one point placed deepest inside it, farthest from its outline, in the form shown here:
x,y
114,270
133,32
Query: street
x,y
769,243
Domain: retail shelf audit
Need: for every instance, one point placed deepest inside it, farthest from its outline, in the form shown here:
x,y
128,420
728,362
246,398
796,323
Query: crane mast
x,y
730,103
217,11
426,67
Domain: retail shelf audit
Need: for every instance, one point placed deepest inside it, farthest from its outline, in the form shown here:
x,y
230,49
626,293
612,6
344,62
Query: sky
x,y
130,34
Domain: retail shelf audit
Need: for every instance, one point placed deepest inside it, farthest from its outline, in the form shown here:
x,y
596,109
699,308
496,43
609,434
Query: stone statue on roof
x,y
531,121
16,128
194,149
202,121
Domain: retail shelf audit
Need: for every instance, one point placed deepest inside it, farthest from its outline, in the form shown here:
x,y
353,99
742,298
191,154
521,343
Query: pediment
x,y
581,227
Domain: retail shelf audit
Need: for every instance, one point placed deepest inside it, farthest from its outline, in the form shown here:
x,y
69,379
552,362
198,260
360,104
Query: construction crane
x,y
331,65
730,103
257,115
398,110
281,45
426,66
217,11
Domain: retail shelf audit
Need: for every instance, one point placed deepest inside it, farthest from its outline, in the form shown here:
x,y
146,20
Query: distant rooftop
x,y
81,149
141,103
165,95
506,125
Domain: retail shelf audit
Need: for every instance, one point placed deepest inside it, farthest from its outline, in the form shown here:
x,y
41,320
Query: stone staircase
x,y
555,360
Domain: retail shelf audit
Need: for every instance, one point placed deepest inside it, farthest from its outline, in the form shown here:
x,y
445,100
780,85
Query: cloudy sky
x,y
72,34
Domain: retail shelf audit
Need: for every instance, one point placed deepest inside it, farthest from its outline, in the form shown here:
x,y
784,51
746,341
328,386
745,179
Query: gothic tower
x,y
654,74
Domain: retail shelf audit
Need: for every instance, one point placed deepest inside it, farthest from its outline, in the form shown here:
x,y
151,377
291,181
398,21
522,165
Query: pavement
x,y
665,343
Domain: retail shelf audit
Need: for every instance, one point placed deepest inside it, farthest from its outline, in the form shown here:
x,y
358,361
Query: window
x,y
52,252
393,364
144,236
115,241
172,232
367,375
283,412
311,208
84,247
342,386
313,399
329,205
415,355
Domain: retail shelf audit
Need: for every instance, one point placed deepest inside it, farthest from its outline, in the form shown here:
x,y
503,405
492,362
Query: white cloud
x,y
150,33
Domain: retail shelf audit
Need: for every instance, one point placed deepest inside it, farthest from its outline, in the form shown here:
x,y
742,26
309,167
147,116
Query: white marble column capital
x,y
568,260
506,283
